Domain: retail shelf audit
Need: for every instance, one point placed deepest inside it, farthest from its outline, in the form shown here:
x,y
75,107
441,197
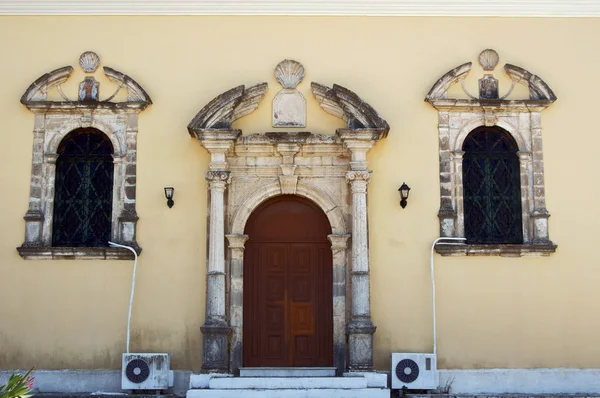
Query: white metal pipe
x,y
433,284
131,249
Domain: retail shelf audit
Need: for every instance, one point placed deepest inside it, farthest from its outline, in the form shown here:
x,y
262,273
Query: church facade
x,y
317,169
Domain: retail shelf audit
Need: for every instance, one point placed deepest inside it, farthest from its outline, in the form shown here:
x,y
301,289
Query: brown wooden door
x,y
288,284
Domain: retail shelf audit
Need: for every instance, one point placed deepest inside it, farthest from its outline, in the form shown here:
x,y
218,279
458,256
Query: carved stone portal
x,y
329,170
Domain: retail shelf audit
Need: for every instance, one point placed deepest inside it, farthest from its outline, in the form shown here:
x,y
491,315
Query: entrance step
x,y
287,372
284,383
290,393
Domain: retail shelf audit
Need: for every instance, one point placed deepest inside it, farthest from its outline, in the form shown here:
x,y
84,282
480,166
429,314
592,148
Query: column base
x,y
360,345
215,355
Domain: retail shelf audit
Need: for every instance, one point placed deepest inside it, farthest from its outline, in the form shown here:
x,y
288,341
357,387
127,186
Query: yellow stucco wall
x,y
493,312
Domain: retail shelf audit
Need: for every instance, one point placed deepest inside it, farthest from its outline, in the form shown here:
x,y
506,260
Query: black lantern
x,y
404,190
169,191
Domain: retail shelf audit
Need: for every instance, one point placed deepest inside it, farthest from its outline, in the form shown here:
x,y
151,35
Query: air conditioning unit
x,y
414,371
146,372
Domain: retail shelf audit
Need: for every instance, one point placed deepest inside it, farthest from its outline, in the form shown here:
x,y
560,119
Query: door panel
x,y
288,282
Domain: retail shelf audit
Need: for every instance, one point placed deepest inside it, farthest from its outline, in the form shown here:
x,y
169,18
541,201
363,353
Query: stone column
x,y
125,206
34,218
457,194
526,193
236,298
360,328
339,243
48,194
540,214
447,212
215,349
215,328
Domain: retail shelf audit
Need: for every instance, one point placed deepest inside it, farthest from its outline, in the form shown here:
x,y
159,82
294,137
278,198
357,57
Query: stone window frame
x,y
53,120
521,118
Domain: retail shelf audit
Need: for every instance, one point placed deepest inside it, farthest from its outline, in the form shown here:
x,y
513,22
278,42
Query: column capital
x,y
237,241
524,155
51,157
217,176
358,179
338,242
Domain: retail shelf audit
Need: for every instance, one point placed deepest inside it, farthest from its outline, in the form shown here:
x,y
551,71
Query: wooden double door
x,y
288,282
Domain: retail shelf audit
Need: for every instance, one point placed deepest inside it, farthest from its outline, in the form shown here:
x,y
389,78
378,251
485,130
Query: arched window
x,y
83,190
491,187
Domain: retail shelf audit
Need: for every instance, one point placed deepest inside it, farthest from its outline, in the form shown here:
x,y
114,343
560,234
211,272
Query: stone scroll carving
x,y
226,108
348,106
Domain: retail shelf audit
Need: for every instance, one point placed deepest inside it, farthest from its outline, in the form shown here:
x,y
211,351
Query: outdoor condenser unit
x,y
146,372
414,371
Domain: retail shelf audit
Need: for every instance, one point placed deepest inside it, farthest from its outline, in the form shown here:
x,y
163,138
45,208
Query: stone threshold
x,y
503,250
75,253
288,372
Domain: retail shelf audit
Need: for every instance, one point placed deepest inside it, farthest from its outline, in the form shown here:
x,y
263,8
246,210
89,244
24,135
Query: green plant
x,y
18,386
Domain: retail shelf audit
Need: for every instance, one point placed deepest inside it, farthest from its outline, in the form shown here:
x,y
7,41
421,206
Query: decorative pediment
x,y
539,91
347,105
36,96
288,106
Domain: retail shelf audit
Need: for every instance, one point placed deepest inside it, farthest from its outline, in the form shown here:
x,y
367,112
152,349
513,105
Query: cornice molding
x,y
492,8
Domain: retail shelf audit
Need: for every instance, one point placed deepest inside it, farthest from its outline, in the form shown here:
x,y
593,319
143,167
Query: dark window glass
x,y
491,187
83,190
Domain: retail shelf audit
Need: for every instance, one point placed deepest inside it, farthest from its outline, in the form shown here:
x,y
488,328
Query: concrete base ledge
x,y
521,381
554,381
73,381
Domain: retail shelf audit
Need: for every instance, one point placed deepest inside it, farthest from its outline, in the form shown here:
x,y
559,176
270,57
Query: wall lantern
x,y
169,191
404,190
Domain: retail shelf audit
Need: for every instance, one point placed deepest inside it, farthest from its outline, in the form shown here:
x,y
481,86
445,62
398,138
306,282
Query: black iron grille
x,y
83,190
491,187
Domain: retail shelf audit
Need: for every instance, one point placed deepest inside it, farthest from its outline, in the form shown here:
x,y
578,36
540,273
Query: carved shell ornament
x,y
89,61
289,73
488,59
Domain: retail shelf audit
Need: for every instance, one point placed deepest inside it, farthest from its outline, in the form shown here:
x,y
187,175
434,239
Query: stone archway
x,y
339,241
244,171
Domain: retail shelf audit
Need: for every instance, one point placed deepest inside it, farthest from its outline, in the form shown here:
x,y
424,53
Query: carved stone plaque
x,y
289,105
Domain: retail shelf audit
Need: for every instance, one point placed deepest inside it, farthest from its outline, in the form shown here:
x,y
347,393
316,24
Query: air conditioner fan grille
x,y
407,371
137,371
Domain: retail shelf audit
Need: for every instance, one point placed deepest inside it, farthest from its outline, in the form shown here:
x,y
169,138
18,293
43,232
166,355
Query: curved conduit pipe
x,y
131,249
435,242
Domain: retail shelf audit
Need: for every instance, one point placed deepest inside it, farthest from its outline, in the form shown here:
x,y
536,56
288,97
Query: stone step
x,y
287,372
278,383
290,393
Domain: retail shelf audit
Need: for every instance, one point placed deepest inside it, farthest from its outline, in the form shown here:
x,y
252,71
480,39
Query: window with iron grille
x,y
83,190
491,187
